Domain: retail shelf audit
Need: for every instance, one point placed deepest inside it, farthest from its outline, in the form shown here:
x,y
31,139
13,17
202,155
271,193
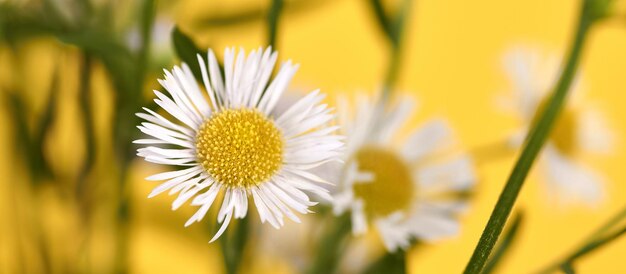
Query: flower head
x,y
230,140
578,130
405,192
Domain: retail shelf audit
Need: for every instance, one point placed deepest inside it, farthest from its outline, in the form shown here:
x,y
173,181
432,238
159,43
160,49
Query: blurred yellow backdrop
x,y
451,63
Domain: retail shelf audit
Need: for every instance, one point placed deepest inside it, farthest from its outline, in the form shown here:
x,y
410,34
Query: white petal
x,y
359,221
173,174
454,175
171,183
571,182
429,138
223,227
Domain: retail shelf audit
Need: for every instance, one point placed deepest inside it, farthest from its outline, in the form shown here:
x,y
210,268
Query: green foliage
x,y
187,51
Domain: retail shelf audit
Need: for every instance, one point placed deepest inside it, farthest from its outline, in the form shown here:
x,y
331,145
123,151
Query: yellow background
x,y
451,63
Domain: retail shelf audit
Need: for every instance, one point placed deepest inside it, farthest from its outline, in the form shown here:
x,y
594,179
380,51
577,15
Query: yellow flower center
x,y
563,135
240,148
392,187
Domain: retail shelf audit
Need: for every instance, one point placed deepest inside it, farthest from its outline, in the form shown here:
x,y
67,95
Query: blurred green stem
x,y
233,246
534,142
82,194
127,106
597,239
393,28
88,127
272,22
332,245
389,263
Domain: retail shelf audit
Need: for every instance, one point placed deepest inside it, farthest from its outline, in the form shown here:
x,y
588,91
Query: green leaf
x,y
187,51
535,141
504,245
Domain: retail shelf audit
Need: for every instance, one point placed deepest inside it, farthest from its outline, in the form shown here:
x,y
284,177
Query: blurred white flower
x,y
230,141
580,129
405,191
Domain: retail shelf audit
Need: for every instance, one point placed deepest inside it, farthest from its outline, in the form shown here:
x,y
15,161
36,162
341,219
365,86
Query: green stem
x,y
537,137
233,246
619,217
389,263
124,134
504,245
148,14
381,17
392,74
395,34
123,226
81,191
332,245
272,21
594,237
87,116
596,244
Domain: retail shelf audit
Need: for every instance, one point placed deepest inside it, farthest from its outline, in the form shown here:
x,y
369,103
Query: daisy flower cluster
x,y
238,143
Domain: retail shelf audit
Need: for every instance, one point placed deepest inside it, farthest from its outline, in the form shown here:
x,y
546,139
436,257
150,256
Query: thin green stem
x,y
597,234
596,245
233,245
126,107
535,141
389,263
609,225
381,17
82,189
394,30
332,245
504,245
88,127
272,21
147,21
392,74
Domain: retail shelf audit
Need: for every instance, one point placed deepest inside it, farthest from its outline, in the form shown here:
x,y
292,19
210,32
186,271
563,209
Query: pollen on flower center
x,y
392,187
240,147
563,134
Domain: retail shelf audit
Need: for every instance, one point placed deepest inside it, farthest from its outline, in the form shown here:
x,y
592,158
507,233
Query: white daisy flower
x,y
579,130
405,191
232,144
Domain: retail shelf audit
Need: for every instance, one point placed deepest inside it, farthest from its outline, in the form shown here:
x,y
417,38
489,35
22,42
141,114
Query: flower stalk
x,y
534,142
